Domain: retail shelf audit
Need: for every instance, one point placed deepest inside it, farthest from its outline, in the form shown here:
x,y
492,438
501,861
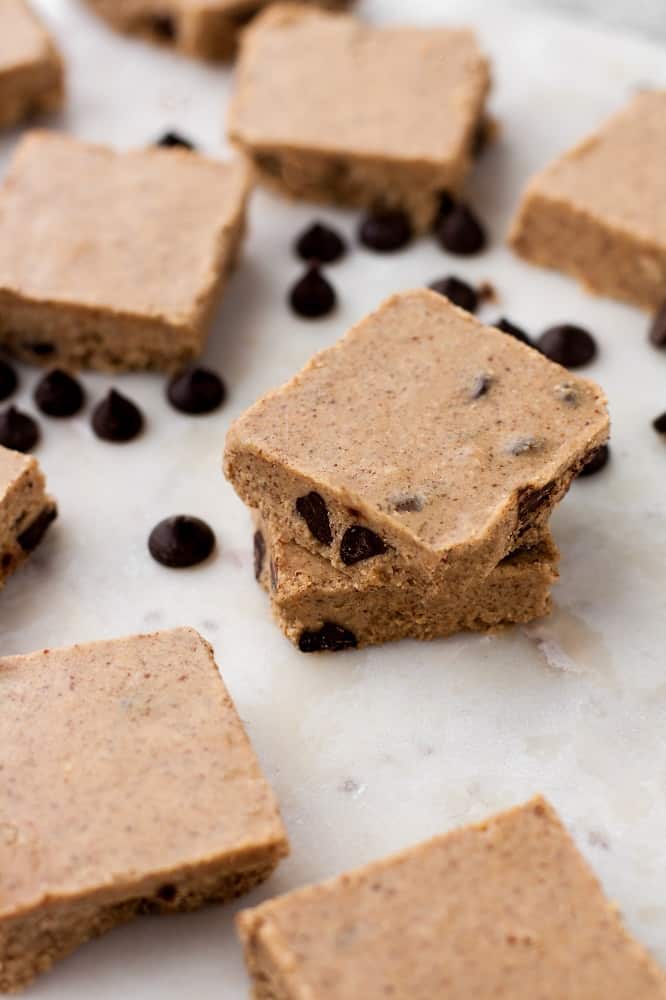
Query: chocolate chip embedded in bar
x,y
597,212
504,908
84,285
321,610
130,787
32,74
205,30
430,441
377,117
26,509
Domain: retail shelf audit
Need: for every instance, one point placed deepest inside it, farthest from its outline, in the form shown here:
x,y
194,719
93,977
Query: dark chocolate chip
x,y
481,385
567,393
359,543
506,326
568,345
33,534
407,504
167,893
461,233
40,348
658,328
312,296
330,638
171,140
531,500
196,391
259,544
8,381
446,206
320,243
180,542
659,424
458,291
597,461
164,27
117,419
386,231
18,430
57,394
314,512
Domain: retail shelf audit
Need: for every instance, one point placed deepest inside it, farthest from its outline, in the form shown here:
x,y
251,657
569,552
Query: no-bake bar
x,y
599,212
205,29
114,260
26,509
319,609
390,123
421,444
506,908
127,786
32,73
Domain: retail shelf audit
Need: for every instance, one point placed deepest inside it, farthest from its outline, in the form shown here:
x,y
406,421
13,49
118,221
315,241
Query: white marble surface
x,y
371,751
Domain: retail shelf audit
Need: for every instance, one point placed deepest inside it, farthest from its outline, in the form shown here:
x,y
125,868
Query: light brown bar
x,y
26,510
127,786
32,73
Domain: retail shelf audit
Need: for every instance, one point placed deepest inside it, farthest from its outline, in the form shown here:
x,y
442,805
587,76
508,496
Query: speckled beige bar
x,y
448,441
32,73
114,260
319,609
26,509
205,29
599,212
507,908
127,786
331,109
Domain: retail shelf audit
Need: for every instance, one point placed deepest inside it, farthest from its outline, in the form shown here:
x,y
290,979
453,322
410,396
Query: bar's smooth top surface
x,y
23,40
507,908
618,174
140,233
318,81
122,759
392,409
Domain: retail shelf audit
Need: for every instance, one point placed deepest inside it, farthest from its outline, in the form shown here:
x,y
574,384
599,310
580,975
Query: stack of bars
x,y
403,481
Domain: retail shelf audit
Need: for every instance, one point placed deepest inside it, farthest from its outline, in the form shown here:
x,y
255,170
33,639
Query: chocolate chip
x,y
480,386
259,554
320,243
196,391
33,534
164,27
40,348
567,393
461,233
314,512
596,462
446,206
359,543
330,638
8,381
312,296
167,893
658,328
57,394
458,291
506,326
659,424
18,430
171,140
407,504
568,345
385,231
180,542
117,419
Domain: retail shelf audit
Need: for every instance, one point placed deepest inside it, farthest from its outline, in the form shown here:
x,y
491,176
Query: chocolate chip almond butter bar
x,y
599,212
320,609
114,260
505,908
206,29
331,109
422,444
32,74
127,786
26,509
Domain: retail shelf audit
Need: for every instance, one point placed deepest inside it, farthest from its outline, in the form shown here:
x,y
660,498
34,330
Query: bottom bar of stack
x,y
319,608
